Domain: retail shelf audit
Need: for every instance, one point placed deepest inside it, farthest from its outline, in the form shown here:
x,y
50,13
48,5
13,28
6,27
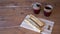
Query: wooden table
x,y
12,17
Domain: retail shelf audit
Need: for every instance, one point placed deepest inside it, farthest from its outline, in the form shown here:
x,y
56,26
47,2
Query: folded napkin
x,y
48,24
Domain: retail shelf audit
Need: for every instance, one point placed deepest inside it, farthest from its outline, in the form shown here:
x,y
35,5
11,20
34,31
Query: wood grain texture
x,y
14,16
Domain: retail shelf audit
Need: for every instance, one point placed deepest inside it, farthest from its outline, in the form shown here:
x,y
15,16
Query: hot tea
x,y
36,8
48,10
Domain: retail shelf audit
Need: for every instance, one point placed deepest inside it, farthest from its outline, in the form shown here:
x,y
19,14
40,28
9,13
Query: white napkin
x,y
45,28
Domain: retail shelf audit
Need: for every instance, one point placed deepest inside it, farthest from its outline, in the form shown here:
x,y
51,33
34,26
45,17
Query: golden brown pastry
x,y
36,20
32,25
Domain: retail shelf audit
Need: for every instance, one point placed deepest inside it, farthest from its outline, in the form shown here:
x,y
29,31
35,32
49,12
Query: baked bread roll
x,y
32,25
36,20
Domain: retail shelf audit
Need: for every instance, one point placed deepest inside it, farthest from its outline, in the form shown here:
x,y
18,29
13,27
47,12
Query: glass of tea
x,y
48,10
36,7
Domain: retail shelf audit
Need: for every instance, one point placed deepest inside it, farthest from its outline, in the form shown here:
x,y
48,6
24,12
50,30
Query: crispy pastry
x,y
28,22
36,20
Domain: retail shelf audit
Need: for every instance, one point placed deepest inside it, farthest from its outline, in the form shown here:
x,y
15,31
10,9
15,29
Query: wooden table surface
x,y
11,18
